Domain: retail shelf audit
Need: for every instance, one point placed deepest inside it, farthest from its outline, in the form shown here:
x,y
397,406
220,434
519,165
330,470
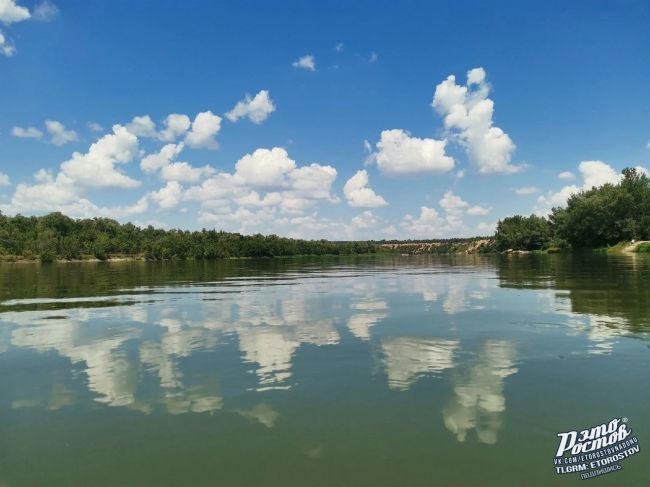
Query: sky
x,y
340,120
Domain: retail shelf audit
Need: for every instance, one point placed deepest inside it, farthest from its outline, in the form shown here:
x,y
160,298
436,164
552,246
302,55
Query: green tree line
x,y
597,217
56,236
592,218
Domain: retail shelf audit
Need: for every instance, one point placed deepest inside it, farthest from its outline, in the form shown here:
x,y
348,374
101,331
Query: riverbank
x,y
452,246
478,245
13,259
482,245
438,247
141,258
642,246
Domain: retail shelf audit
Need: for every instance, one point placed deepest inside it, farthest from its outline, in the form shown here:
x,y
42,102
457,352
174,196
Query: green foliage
x,y
47,256
606,215
523,233
643,248
598,217
55,236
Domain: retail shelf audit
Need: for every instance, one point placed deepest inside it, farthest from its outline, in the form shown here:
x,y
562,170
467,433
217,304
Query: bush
x,y
47,256
523,233
643,248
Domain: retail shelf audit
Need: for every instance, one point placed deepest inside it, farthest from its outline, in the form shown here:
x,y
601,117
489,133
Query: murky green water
x,y
344,372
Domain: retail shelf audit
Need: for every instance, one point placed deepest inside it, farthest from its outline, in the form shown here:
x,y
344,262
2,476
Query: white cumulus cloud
x,y
359,194
266,179
265,168
597,173
176,125
10,12
365,220
313,181
431,224
154,162
468,116
428,224
60,193
4,179
203,130
170,170
182,171
257,109
97,167
65,191
142,126
169,196
453,203
198,134
399,154
454,206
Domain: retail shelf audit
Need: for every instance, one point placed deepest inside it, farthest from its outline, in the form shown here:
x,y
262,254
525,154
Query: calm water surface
x,y
415,371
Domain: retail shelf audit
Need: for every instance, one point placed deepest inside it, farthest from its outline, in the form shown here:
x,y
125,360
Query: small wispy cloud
x,y
60,135
479,210
7,48
45,11
305,62
566,176
526,190
26,132
257,109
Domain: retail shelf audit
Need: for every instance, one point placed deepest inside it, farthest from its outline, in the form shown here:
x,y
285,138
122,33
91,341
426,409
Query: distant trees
x,y
523,233
607,215
593,218
56,236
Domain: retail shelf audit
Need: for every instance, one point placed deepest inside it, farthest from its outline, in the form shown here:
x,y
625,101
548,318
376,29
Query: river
x,y
359,371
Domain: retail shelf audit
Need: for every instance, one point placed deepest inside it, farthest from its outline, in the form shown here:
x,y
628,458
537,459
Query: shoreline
x,y
139,258
402,249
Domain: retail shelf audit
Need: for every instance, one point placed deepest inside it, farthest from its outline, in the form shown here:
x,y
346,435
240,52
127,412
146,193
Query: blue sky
x,y
334,88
